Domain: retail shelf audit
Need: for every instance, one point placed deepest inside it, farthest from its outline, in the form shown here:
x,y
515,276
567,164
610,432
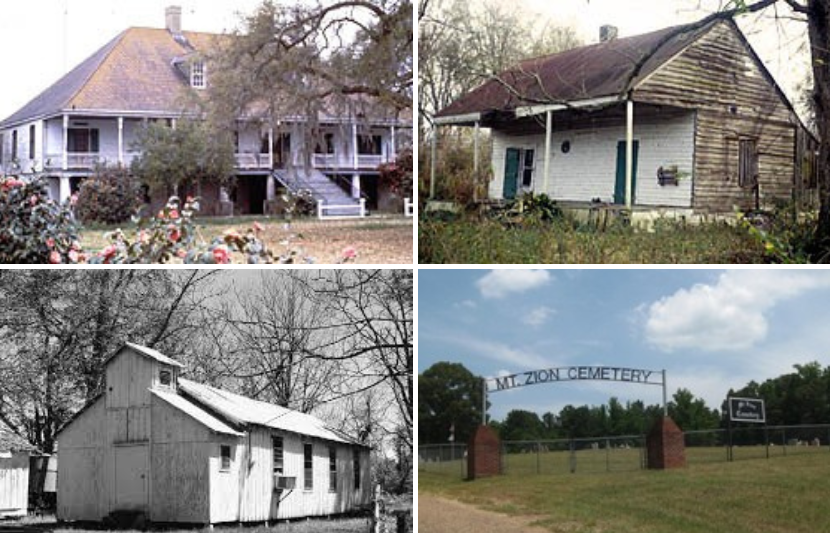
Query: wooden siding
x,y
179,480
14,485
587,171
718,76
82,467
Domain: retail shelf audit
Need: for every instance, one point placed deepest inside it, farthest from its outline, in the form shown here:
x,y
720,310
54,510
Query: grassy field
x,y
316,525
787,494
377,239
485,241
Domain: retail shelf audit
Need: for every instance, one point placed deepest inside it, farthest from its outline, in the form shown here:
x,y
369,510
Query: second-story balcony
x,y
248,161
86,160
347,161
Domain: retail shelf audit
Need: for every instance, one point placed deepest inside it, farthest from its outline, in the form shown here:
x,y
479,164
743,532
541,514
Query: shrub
x,y
110,196
300,203
33,228
398,175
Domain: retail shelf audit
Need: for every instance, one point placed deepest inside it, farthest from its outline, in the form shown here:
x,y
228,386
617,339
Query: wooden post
x,y
475,162
629,151
432,149
548,135
121,140
65,164
377,509
393,143
354,145
270,147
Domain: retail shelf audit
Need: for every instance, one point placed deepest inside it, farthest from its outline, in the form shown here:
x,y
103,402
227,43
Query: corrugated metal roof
x,y
195,412
151,353
12,442
585,73
246,410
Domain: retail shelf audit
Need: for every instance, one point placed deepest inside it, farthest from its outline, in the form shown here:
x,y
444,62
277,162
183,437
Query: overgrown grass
x,y
482,241
754,496
312,525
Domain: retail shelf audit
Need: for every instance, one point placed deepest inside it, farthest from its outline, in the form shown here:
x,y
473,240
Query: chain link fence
x,y
627,453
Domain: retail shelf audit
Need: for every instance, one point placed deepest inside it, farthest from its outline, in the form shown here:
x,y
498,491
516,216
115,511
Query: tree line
x,y
450,404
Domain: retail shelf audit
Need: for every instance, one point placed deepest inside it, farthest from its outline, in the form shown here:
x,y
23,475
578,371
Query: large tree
x,y
449,403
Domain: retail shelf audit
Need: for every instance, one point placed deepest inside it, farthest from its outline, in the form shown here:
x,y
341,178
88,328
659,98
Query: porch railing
x,y
346,161
87,160
253,161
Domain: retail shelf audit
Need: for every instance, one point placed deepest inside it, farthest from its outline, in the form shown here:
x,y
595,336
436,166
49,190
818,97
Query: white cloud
x,y
516,357
538,316
727,315
466,304
500,283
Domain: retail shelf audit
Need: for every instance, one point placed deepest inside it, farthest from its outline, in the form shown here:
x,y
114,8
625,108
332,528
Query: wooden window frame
x,y
527,170
198,75
278,455
225,459
308,466
166,377
332,469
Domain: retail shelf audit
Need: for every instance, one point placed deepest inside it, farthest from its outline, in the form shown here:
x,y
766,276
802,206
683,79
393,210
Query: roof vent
x,y
173,19
607,33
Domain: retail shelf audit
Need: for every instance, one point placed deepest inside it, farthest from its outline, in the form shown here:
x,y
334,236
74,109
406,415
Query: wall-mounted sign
x,y
747,410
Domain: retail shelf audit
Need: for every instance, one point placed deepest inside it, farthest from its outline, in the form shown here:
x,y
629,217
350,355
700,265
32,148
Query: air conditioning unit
x,y
284,482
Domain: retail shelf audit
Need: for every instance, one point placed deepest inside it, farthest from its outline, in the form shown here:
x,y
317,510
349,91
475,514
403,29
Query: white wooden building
x,y
14,473
179,451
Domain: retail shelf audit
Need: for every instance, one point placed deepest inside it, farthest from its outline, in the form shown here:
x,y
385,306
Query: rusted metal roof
x,y
12,442
586,73
243,410
195,412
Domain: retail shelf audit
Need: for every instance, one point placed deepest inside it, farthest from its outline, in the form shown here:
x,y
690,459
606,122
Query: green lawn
x,y
785,494
485,241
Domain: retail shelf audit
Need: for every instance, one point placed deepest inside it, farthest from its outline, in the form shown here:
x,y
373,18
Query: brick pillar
x,y
483,454
666,448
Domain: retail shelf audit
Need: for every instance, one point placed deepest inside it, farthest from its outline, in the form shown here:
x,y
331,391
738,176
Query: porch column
x,y
432,149
64,191
354,145
355,185
270,150
629,150
548,135
121,141
65,151
394,154
270,188
173,123
475,148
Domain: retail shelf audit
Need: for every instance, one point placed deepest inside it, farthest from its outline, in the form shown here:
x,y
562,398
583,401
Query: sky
x,y
38,52
711,330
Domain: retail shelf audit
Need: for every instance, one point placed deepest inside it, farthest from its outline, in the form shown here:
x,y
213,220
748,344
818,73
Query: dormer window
x,y
165,377
197,75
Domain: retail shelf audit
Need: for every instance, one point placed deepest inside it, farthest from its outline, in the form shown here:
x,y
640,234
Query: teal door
x,y
511,173
619,184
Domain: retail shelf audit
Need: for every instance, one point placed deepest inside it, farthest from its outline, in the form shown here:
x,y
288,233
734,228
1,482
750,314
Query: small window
x,y
747,163
308,466
356,466
164,377
326,146
332,469
276,447
370,144
527,168
197,75
32,141
225,453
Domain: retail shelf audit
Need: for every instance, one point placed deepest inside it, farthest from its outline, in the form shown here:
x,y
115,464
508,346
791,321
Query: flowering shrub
x,y
398,174
110,196
34,229
300,203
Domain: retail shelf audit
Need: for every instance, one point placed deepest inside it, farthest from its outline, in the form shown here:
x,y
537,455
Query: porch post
x,y
629,150
355,185
394,154
475,148
271,147
64,191
548,135
354,145
121,140
65,151
432,149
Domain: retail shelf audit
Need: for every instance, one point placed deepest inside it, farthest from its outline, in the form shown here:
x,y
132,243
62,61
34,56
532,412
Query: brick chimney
x,y
173,19
607,32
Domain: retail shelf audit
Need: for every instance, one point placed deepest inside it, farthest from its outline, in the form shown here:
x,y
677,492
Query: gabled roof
x,y
243,410
132,73
12,442
590,72
193,411
146,352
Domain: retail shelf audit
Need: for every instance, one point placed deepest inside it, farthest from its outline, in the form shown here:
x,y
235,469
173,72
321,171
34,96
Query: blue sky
x,y
709,329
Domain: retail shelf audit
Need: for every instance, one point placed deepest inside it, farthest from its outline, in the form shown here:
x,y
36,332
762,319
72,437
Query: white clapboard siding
x,y
82,467
14,485
588,169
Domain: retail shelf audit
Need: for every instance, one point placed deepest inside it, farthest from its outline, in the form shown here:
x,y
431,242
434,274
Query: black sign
x,y
747,410
577,373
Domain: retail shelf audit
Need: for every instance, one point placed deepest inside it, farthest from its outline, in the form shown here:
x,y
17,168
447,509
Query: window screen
x,y
308,466
332,469
276,446
225,453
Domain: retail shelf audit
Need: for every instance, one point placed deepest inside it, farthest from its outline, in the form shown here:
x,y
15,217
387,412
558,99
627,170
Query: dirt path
x,y
438,515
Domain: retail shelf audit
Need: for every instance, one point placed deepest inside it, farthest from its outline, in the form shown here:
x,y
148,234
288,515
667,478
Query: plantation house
x,y
92,115
168,449
685,120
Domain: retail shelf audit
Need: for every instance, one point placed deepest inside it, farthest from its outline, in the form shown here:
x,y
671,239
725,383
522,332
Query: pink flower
x,y
189,200
108,252
33,200
143,238
50,242
76,246
221,254
174,214
73,199
174,234
258,227
349,252
73,256
161,214
54,257
181,253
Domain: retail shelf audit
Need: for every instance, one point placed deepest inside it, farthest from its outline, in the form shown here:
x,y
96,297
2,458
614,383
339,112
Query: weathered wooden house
x,y
686,118
93,116
14,472
172,450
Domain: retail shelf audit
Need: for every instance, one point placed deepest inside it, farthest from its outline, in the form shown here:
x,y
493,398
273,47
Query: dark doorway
x,y
251,192
619,183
